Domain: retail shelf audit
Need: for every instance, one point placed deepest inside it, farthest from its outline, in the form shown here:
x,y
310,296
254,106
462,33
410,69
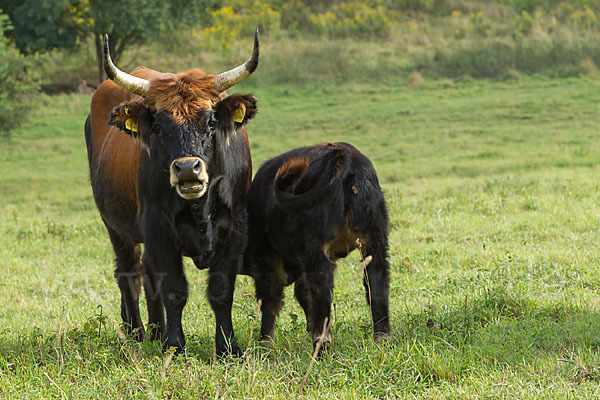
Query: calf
x,y
307,208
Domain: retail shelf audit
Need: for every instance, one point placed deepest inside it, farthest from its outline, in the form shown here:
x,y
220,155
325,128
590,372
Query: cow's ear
x,y
130,117
237,108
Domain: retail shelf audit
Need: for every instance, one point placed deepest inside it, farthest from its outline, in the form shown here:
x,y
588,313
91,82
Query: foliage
x,y
42,25
18,83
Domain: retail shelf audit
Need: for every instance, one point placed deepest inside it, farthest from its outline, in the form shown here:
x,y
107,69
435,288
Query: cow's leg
x,y
319,276
128,273
154,303
165,268
221,283
302,293
376,281
165,264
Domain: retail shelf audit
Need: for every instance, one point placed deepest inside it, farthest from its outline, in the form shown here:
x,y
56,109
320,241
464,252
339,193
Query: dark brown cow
x,y
307,208
170,167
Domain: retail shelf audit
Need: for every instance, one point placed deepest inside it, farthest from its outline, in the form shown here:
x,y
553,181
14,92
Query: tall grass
x,y
501,57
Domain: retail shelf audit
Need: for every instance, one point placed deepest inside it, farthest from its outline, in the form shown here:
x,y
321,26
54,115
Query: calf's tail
x,y
303,181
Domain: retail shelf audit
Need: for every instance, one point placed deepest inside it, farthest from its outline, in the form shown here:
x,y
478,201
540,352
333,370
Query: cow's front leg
x,y
154,304
166,268
221,283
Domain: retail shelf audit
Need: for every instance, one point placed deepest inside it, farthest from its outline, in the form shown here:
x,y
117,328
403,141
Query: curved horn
x,y
128,82
227,79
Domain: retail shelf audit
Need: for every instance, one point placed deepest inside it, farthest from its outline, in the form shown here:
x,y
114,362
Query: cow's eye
x,y
212,124
163,133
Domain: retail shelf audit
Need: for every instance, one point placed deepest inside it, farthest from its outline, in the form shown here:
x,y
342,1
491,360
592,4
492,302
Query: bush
x,y
355,19
240,17
18,83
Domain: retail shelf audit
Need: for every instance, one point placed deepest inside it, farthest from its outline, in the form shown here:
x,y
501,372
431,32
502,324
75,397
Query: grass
x,y
493,197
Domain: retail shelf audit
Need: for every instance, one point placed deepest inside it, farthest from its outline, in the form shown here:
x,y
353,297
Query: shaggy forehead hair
x,y
184,94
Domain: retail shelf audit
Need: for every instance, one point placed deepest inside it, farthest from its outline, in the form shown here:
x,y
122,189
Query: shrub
x,y
295,16
239,18
18,83
356,19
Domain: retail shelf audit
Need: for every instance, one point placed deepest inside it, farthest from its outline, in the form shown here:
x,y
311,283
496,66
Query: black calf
x,y
307,208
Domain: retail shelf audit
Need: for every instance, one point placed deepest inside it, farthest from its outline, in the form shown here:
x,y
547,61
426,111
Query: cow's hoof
x,y
155,332
176,346
232,350
136,334
382,337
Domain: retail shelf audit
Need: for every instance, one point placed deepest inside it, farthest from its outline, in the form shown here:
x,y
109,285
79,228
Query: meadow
x,y
493,198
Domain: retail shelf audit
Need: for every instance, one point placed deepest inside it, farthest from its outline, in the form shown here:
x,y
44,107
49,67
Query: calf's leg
x,y
302,293
319,276
376,281
269,282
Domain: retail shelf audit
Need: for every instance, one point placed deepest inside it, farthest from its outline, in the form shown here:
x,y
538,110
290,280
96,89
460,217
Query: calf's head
x,y
182,119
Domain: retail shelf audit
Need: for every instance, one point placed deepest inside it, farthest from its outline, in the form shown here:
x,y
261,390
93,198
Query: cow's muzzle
x,y
189,177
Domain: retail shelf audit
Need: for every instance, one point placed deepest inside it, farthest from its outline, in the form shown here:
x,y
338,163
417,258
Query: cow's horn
x,y
232,77
128,82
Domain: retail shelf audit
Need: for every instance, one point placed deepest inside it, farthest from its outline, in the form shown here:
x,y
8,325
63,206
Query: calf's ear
x,y
237,109
130,117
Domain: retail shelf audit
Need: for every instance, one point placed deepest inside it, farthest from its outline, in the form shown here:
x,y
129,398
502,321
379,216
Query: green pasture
x,y
493,192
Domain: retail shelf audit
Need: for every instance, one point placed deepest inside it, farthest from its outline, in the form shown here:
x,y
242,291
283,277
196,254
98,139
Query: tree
x,y
128,23
42,25
18,83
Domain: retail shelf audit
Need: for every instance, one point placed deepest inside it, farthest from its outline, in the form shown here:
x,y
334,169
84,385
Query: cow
x,y
307,208
170,168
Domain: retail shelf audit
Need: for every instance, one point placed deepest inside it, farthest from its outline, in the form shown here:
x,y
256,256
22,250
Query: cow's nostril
x,y
176,168
197,167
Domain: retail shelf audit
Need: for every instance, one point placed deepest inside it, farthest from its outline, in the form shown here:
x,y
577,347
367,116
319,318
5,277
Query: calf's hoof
x,y
321,344
267,341
319,350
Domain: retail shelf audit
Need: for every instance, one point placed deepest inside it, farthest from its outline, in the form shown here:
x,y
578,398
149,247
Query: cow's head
x,y
181,117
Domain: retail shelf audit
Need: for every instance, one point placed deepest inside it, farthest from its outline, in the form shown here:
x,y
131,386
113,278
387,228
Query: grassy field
x,y
494,204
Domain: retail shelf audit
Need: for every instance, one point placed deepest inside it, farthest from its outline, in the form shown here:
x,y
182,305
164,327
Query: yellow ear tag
x,y
238,115
131,125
